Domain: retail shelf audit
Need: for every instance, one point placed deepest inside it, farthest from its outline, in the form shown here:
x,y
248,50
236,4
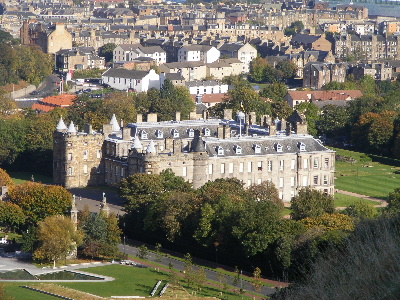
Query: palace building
x,y
199,150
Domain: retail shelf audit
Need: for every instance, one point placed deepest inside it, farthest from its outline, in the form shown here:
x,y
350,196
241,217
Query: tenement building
x,y
199,150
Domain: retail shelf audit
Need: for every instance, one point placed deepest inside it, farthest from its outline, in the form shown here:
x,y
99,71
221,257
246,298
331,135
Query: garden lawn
x,y
132,281
21,177
16,292
374,178
342,200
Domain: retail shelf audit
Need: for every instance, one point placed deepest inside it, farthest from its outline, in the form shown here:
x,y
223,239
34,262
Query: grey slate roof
x,y
124,73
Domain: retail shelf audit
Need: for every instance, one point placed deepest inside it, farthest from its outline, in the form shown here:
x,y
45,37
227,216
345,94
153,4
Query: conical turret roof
x,y
198,145
136,143
114,123
151,148
61,125
71,128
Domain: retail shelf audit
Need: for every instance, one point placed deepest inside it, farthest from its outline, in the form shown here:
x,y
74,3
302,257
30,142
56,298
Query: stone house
x,y
243,52
198,150
193,70
202,53
317,74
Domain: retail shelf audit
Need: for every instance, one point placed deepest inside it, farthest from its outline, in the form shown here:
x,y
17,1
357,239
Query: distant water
x,y
389,8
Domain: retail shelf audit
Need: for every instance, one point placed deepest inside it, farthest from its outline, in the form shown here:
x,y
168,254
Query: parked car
x,y
34,93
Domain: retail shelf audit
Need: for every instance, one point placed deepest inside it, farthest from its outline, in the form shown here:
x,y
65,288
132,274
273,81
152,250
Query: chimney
x,y
178,116
193,115
139,118
228,114
107,129
151,117
126,133
252,118
272,129
169,144
227,131
87,128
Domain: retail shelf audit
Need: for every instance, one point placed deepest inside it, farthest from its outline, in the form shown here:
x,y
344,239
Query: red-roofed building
x,y
51,102
209,99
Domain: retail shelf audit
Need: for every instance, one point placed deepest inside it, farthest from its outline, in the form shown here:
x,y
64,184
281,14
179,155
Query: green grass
x,y
14,289
342,200
131,281
21,177
286,211
376,178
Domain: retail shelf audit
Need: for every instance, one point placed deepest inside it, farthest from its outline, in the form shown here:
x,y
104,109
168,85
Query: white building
x,y
202,53
130,52
140,81
207,87
244,52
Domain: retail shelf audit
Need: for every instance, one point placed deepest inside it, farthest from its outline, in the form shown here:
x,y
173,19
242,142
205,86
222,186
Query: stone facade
x,y
199,151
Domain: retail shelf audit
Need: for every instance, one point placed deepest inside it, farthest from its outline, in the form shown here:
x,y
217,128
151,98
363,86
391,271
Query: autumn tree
x,y
275,91
58,237
311,203
256,282
39,201
11,215
257,69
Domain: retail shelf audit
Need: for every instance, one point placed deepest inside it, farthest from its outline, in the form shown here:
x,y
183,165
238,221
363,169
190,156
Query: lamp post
x,y
241,116
124,242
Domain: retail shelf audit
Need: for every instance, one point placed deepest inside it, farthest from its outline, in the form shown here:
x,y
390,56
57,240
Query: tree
x,y
333,121
102,235
361,210
257,69
393,201
106,51
256,282
266,191
11,215
281,110
143,252
58,237
288,69
311,203
312,112
275,91
330,221
158,252
39,201
121,104
5,179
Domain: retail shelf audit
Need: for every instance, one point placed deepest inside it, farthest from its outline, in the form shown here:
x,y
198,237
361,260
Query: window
x,y
184,171
302,146
159,134
316,180
278,147
281,194
210,169
257,149
98,153
230,168
191,132
241,167
325,179
175,133
69,171
259,166
259,181
305,163
122,172
116,170
269,166
207,132
281,165
249,182
305,181
293,164
143,134
69,156
327,162
280,182
249,166
220,150
85,154
316,163
85,169
238,150
222,168
292,181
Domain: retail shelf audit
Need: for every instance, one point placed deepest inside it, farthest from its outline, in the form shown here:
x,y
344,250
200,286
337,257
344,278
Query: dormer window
x,y
302,146
159,134
257,149
191,132
238,150
278,147
220,150
143,135
175,133
207,132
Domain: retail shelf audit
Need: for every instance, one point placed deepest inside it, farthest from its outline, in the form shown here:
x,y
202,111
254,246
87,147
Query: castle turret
x,y
200,159
151,148
61,125
71,128
114,123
